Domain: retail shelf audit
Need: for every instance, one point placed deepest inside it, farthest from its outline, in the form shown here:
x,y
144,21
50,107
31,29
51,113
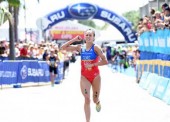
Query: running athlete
x,y
52,61
91,57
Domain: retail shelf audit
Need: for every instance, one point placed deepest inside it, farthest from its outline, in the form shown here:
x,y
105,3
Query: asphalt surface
x,y
121,97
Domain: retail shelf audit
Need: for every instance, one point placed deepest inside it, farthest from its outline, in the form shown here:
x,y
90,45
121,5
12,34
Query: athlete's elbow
x,y
106,62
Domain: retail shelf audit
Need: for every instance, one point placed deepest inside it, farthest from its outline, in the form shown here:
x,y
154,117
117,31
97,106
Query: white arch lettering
x,y
57,16
128,31
131,37
122,25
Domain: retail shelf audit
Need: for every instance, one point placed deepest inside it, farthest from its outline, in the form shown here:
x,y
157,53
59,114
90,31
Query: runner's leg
x,y
85,89
96,86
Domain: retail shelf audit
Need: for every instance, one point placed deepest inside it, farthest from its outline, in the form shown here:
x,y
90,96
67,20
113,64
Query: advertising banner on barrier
x,y
30,71
167,39
23,72
60,72
166,97
27,71
143,79
157,42
8,72
46,74
149,78
153,84
161,88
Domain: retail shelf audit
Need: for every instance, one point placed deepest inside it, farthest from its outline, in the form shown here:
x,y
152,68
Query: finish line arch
x,y
84,11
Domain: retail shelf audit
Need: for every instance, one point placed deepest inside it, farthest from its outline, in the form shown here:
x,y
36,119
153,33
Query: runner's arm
x,y
68,47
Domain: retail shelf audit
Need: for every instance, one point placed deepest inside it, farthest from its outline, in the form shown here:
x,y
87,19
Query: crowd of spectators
x,y
122,57
32,51
156,20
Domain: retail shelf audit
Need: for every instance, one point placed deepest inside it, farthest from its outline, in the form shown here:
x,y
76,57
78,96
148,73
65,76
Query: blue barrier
x,y
166,71
60,73
153,84
156,46
18,72
8,72
151,77
45,67
166,97
157,42
161,87
143,79
154,56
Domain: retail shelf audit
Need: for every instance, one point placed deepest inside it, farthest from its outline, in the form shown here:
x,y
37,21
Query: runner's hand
x,y
56,64
78,38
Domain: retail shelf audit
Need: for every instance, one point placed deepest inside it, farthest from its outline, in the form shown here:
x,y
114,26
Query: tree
x,y
13,26
4,15
92,24
13,6
133,17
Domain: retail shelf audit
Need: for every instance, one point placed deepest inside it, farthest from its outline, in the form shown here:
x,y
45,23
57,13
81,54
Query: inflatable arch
x,y
83,11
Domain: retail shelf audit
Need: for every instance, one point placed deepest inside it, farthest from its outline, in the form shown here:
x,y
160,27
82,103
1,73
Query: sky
x,y
35,10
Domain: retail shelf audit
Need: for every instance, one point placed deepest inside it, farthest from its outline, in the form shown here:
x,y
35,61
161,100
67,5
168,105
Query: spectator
x,y
24,52
45,54
152,12
166,17
164,7
2,48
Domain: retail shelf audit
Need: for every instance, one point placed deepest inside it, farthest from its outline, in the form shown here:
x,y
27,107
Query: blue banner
x,y
168,42
161,88
8,72
143,79
26,71
153,84
46,74
166,97
149,78
157,42
60,72
166,37
151,41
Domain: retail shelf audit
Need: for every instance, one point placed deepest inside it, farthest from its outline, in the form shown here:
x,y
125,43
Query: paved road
x,y
121,98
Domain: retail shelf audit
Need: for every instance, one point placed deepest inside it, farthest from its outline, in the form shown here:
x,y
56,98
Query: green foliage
x,y
15,3
88,23
105,26
133,17
92,24
4,15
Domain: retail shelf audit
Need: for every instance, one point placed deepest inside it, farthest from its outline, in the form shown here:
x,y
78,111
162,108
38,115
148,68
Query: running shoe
x,y
52,84
98,107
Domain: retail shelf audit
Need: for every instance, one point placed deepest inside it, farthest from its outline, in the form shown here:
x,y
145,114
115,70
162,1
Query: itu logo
x,y
24,72
82,10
